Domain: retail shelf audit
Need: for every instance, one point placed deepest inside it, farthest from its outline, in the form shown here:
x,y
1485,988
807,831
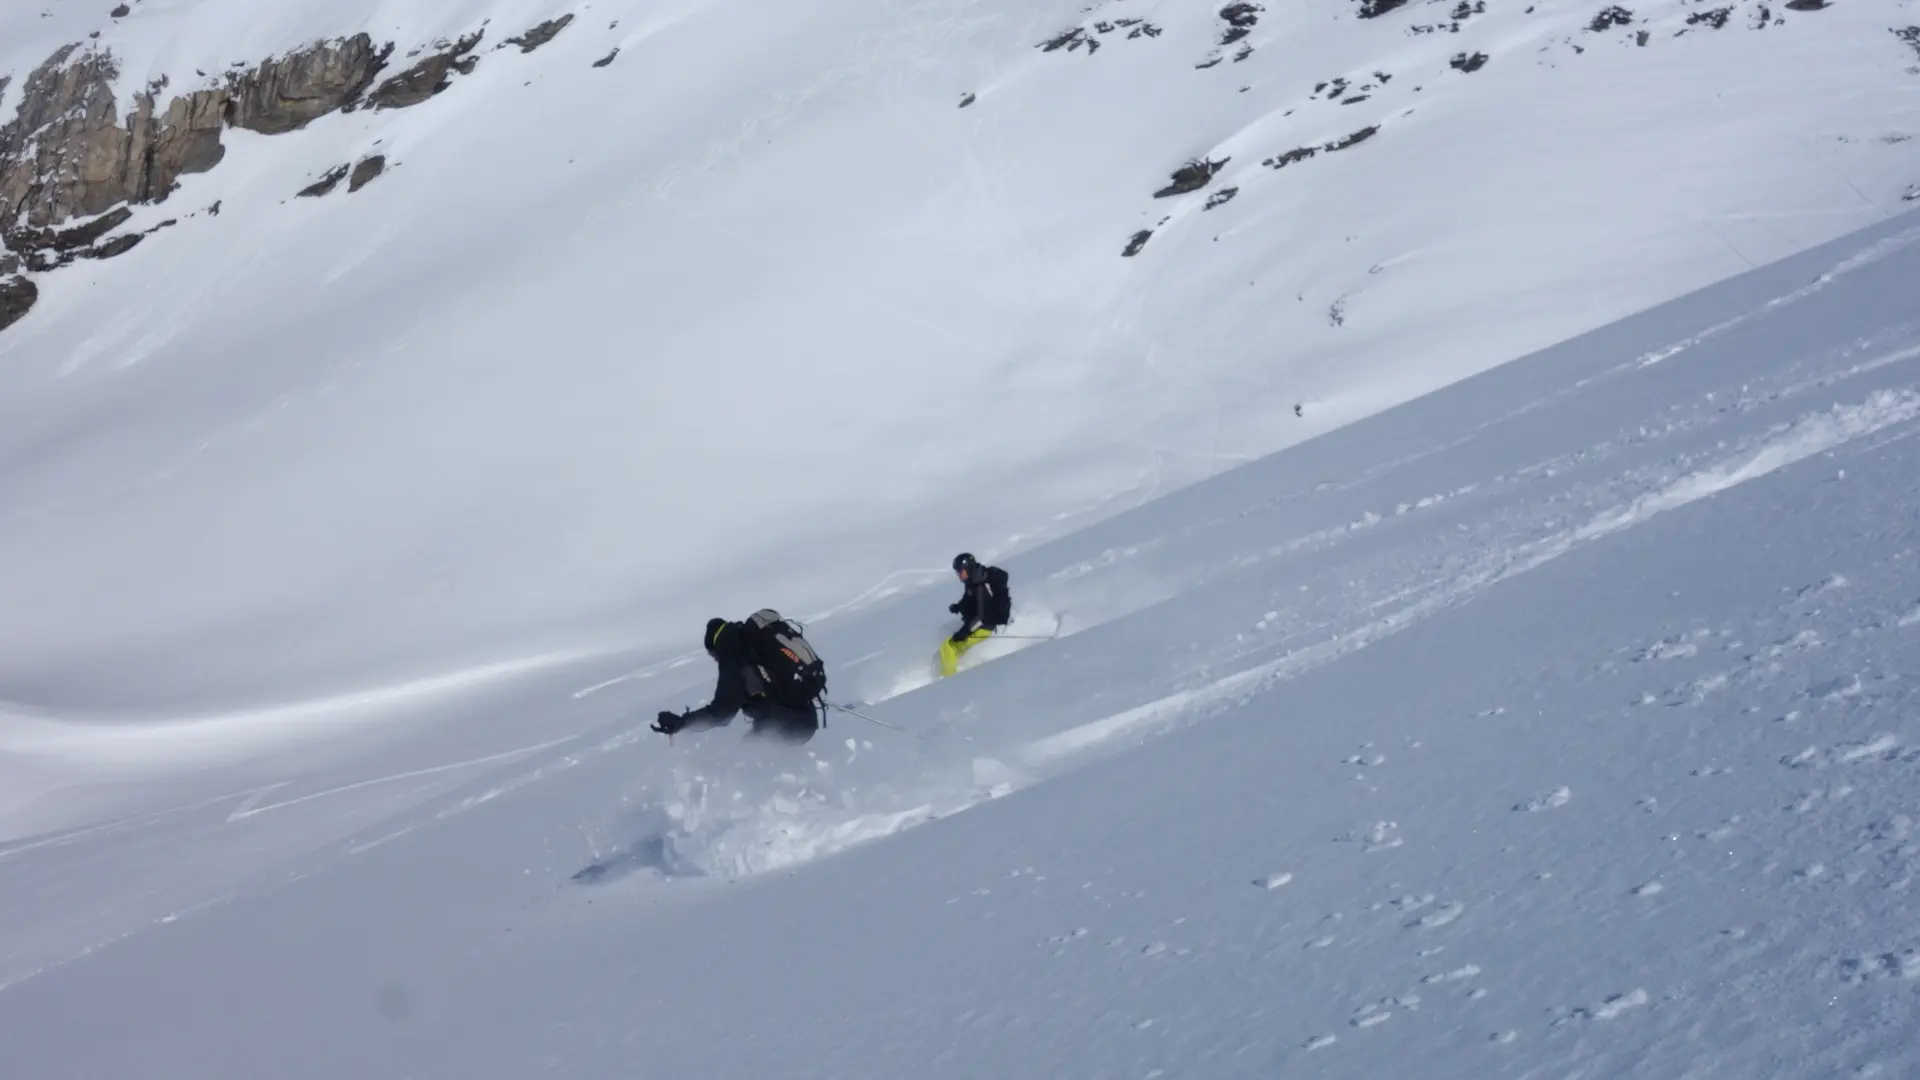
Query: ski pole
x,y
869,719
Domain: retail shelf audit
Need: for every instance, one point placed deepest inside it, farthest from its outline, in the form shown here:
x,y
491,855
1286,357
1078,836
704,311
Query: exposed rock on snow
x,y
1281,161
59,241
1610,17
1373,9
1461,13
325,185
429,76
1088,36
1192,176
366,172
17,295
539,35
45,249
288,93
1241,19
119,245
66,154
1071,40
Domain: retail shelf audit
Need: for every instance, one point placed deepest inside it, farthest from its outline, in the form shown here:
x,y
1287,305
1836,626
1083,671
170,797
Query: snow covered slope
x,y
1557,723
758,313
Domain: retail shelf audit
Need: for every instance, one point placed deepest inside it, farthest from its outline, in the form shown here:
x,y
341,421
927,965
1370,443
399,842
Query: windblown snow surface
x,y
1559,723
1482,717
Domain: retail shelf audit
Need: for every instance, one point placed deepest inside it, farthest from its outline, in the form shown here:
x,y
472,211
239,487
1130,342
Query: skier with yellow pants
x,y
985,607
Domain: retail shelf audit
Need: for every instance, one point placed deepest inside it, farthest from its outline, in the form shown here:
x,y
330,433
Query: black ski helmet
x,y
965,564
712,638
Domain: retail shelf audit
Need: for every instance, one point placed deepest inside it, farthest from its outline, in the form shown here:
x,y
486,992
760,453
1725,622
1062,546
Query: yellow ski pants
x,y
950,650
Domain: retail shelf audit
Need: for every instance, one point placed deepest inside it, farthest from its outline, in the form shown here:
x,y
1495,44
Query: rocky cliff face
x,y
67,153
288,93
70,163
61,156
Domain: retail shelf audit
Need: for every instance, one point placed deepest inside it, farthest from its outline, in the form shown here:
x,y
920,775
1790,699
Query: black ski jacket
x,y
986,601
737,682
738,686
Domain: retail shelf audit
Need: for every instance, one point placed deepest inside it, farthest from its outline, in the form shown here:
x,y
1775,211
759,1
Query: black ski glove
x,y
960,635
953,608
668,723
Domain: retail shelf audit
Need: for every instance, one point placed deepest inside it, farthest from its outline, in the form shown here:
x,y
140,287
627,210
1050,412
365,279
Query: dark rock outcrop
x,y
1610,17
1468,63
1070,40
427,77
325,185
1281,161
1373,9
287,93
119,245
43,249
1192,176
49,249
1354,139
66,153
368,170
1241,19
17,295
1221,197
539,35
607,59
1136,243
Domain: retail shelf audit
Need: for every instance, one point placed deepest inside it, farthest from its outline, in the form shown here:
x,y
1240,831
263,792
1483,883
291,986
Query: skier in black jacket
x,y
986,606
741,687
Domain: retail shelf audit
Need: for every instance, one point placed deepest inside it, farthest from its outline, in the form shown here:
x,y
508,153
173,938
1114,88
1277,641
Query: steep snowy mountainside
x,y
700,306
1557,723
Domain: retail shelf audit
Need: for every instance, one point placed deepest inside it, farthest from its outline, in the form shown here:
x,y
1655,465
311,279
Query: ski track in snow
x,y
724,819
1632,495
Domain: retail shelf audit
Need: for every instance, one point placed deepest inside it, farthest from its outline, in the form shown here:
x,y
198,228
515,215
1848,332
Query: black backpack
x,y
793,672
999,601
